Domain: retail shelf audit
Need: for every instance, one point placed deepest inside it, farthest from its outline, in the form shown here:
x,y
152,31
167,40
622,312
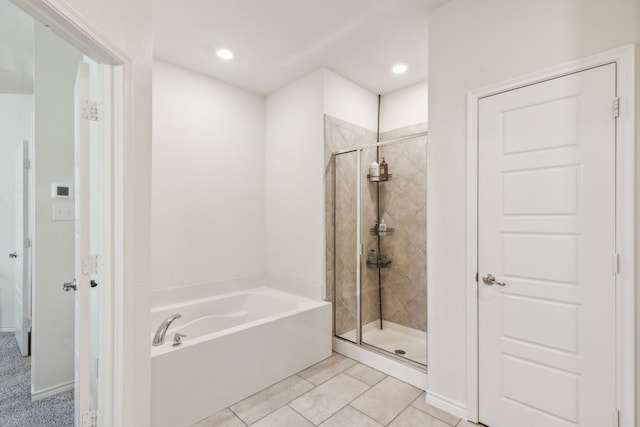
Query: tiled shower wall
x,y
402,206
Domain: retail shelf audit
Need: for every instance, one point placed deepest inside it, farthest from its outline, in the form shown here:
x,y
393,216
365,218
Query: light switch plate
x,y
63,212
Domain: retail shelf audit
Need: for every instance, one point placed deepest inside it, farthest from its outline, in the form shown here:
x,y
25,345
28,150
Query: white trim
x,y
69,24
451,406
105,265
626,232
472,260
75,29
7,329
627,157
122,131
50,391
396,369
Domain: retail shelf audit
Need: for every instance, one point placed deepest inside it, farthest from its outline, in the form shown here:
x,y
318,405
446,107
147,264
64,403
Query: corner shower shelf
x,y
382,263
374,232
380,180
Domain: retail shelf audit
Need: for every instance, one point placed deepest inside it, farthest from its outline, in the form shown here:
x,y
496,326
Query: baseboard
x,y
51,391
7,329
447,405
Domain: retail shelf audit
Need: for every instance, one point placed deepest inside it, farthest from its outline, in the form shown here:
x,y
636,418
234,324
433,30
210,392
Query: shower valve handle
x,y
177,339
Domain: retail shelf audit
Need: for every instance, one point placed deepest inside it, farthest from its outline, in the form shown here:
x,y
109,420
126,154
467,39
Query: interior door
x,y
22,252
546,236
84,266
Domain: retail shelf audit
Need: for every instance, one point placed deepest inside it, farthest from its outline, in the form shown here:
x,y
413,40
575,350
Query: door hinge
x,y
90,265
27,242
27,164
91,110
616,107
616,264
90,419
476,277
616,418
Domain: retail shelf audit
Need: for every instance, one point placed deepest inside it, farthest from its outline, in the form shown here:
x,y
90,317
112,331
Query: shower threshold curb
x,y
412,375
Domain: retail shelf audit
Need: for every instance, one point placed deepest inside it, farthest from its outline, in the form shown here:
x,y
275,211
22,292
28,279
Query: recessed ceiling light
x,y
225,54
399,68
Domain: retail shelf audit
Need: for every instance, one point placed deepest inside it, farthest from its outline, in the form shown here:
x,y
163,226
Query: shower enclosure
x,y
377,274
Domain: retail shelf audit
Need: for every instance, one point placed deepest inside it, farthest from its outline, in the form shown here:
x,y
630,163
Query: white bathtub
x,y
236,344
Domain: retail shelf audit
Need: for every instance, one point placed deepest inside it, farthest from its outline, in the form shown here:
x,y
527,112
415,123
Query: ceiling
x,y
278,41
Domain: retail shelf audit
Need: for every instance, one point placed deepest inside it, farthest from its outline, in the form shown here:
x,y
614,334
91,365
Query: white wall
x,y
295,247
15,125
349,102
208,217
474,44
404,107
53,241
270,178
293,180
16,62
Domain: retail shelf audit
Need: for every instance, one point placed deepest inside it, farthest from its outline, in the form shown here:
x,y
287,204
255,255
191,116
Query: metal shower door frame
x,y
359,245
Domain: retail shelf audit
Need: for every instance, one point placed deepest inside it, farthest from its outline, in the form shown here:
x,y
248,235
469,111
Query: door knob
x,y
69,286
488,279
13,255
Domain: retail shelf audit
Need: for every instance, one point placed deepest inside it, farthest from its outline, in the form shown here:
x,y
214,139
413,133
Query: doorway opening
x,y
65,364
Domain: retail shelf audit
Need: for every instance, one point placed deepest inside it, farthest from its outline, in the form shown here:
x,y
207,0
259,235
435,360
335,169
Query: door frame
x,y
115,339
627,221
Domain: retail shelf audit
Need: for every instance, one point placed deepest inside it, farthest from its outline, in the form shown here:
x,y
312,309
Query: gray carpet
x,y
16,407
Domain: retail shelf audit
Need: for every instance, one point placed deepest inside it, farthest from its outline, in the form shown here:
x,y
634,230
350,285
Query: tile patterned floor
x,y
337,392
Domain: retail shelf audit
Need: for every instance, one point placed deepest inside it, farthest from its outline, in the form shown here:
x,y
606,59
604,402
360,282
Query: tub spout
x,y
158,338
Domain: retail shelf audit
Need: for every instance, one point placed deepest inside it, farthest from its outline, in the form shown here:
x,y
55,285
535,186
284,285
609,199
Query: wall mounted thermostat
x,y
61,191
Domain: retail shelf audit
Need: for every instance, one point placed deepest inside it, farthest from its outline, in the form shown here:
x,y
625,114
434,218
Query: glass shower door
x,y
345,228
379,271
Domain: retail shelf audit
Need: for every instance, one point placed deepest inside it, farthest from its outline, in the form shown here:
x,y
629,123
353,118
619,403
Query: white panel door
x,y
22,252
546,232
83,263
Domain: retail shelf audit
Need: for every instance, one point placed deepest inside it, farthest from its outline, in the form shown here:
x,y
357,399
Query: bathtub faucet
x,y
158,338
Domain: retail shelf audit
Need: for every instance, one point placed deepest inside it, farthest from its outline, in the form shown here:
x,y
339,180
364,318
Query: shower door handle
x,y
488,279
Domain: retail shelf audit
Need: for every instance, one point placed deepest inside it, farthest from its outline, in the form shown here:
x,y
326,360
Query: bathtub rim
x,y
302,304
